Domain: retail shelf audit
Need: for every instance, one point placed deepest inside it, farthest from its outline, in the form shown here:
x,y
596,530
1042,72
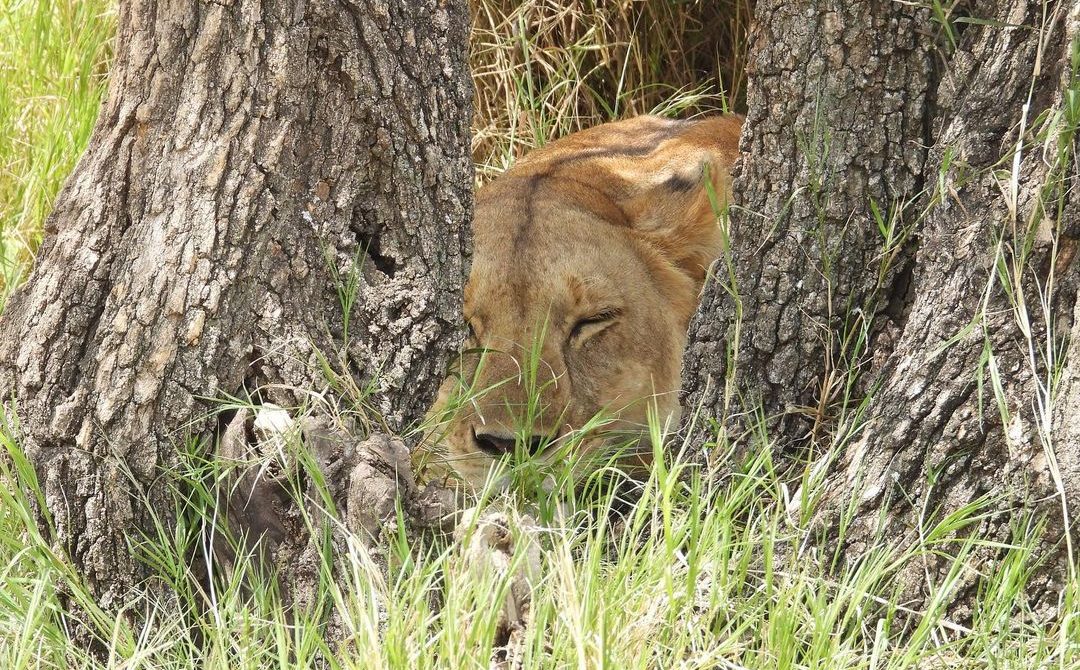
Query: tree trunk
x,y
834,120
268,182
905,231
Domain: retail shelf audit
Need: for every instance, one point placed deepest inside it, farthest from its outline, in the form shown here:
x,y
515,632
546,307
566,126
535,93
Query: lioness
x,y
589,257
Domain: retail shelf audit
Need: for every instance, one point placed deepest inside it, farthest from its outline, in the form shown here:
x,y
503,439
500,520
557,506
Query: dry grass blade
x,y
543,68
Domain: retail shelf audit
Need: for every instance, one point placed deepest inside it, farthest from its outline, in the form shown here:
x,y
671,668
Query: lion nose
x,y
493,443
496,443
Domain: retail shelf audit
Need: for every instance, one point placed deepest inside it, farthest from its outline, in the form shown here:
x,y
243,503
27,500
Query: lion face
x,y
589,256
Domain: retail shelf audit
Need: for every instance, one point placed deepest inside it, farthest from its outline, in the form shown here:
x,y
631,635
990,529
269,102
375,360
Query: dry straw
x,y
543,68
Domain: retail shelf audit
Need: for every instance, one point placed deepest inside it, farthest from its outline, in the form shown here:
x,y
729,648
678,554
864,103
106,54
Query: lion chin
x,y
589,255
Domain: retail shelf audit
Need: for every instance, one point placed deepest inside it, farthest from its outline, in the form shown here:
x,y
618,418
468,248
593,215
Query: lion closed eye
x,y
589,257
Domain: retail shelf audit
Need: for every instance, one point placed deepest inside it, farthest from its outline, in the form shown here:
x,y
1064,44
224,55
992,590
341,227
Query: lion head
x,y
589,255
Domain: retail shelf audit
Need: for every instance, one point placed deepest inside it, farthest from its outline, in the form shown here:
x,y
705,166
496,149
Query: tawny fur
x,y
613,220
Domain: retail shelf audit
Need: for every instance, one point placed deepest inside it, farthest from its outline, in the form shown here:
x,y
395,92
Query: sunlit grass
x,y
54,58
686,569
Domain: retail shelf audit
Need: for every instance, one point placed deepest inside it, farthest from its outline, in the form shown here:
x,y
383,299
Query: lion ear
x,y
671,198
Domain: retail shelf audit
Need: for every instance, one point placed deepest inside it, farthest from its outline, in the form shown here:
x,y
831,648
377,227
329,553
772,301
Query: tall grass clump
x,y
544,68
54,58
684,569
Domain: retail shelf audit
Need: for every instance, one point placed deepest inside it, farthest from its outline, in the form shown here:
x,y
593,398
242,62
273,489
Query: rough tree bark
x,y
973,150
251,158
834,119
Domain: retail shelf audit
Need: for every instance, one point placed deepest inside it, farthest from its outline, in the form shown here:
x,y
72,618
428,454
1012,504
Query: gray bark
x,y
937,136
248,153
834,119
933,436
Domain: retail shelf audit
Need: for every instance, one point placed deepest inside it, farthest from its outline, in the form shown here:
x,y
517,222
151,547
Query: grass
x,y
689,569
54,58
544,68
